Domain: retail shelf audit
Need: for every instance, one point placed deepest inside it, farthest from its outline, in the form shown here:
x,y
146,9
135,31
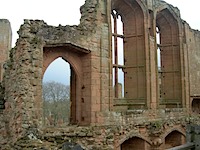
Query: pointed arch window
x,y
131,70
56,94
159,63
169,60
117,55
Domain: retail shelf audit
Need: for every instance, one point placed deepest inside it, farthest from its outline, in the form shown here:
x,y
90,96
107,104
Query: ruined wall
x,y
193,48
24,70
100,137
87,47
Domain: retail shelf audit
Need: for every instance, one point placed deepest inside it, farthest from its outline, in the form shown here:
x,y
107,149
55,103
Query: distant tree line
x,y
56,103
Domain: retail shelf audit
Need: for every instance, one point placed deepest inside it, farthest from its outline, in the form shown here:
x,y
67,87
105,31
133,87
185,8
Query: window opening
x,y
117,54
170,60
159,67
56,94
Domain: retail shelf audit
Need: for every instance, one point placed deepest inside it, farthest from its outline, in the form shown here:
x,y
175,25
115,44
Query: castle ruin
x,y
149,112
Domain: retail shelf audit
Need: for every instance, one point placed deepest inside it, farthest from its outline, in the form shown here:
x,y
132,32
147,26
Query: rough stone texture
x,y
102,122
5,43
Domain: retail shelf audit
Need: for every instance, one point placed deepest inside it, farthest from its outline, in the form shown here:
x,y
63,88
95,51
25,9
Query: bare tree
x,y
56,103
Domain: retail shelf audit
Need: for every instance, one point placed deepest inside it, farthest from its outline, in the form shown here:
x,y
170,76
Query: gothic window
x,y
118,55
129,57
159,63
169,66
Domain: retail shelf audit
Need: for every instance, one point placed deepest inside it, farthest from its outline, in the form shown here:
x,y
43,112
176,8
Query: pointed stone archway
x,y
71,54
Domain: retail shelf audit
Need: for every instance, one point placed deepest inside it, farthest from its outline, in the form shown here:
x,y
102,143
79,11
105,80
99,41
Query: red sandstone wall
x,y
193,49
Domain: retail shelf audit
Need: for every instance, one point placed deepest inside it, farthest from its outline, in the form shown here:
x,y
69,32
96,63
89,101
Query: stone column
x,y
5,43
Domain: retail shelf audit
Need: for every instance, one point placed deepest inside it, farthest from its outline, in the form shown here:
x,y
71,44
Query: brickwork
x,y
156,106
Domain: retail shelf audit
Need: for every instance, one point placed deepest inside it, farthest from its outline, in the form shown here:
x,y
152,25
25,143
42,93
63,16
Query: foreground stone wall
x,y
98,138
109,137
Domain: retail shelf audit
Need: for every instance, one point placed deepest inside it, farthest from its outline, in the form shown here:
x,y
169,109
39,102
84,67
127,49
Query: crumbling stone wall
x,y
99,137
87,47
24,70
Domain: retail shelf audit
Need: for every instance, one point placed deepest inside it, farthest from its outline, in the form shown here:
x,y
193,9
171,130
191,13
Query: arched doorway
x,y
173,139
135,143
72,55
57,94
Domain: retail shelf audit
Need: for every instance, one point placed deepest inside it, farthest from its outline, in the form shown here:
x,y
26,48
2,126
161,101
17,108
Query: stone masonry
x,y
150,112
5,43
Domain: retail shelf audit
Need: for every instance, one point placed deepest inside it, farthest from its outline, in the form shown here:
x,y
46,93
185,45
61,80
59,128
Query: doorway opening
x,y
56,94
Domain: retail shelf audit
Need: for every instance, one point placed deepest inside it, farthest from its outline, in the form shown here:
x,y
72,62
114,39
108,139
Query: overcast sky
x,y
190,10
66,12
54,12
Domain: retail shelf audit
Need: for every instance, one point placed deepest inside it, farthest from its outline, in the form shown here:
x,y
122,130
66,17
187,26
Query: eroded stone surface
x,y
101,122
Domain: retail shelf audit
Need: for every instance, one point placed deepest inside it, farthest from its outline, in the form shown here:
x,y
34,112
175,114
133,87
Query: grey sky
x,y
67,12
